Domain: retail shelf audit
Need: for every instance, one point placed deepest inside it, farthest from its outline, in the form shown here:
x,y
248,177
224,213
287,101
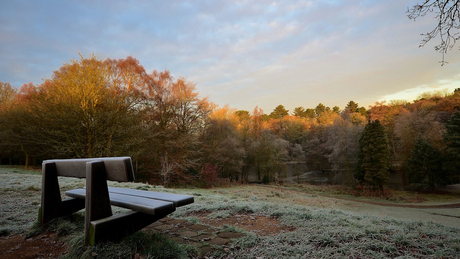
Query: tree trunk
x,y
27,156
26,164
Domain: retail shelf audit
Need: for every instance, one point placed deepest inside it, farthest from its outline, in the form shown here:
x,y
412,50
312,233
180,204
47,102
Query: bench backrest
x,y
117,168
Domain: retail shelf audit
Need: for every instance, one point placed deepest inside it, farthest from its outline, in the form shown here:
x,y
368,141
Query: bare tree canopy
x,y
447,14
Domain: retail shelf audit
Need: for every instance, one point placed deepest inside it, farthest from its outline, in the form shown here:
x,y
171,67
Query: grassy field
x,y
319,226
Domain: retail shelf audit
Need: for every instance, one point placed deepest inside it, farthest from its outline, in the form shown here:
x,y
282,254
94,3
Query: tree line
x,y
93,107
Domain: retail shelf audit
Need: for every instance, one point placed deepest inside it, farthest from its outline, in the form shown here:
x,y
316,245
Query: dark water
x,y
298,173
312,177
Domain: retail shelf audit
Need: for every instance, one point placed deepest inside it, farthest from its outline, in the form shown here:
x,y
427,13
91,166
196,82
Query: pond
x,y
294,173
298,173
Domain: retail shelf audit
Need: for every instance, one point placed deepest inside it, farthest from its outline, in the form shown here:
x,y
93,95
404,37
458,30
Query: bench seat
x,y
141,204
178,199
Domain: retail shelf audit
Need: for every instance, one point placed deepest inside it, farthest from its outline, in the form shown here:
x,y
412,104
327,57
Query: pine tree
x,y
373,158
320,109
452,141
425,165
279,112
352,107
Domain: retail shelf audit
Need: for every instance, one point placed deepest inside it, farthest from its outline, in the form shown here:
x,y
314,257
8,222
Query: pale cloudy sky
x,y
240,53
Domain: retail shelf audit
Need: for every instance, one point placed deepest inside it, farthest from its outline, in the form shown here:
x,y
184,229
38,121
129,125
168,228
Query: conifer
x,y
373,158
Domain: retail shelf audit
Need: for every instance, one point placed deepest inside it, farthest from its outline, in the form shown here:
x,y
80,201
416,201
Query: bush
x,y
265,179
208,175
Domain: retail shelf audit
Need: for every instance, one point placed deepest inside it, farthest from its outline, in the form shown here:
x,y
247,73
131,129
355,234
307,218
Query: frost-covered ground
x,y
254,194
322,227
328,227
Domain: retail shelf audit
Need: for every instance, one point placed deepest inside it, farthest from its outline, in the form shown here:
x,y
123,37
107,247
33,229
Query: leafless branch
x,y
447,14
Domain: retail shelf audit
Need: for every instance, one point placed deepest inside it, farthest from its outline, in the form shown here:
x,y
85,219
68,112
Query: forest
x,y
94,107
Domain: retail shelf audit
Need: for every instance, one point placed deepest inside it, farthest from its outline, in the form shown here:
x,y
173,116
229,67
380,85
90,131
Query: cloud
x,y
242,53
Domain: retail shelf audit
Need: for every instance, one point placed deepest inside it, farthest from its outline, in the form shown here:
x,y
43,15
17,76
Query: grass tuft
x,y
231,228
221,214
5,231
149,245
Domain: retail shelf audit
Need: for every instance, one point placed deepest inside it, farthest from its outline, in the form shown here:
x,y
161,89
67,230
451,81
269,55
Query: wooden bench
x,y
100,224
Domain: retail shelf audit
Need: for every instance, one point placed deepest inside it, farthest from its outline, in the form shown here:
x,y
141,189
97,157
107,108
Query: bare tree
x,y
447,14
342,142
167,169
177,116
7,95
268,153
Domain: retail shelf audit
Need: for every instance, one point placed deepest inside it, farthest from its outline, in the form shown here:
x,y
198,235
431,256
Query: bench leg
x,y
51,204
97,200
51,196
118,226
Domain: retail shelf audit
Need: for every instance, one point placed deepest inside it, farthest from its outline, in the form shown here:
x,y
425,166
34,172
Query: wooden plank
x,y
117,168
141,204
177,199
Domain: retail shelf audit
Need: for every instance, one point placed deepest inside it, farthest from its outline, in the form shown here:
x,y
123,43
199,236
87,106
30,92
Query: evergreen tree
x,y
457,92
425,165
310,113
452,141
351,107
362,111
320,109
336,109
300,112
242,114
373,158
279,112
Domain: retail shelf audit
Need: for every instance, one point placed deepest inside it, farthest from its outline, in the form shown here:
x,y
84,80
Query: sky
x,y
239,53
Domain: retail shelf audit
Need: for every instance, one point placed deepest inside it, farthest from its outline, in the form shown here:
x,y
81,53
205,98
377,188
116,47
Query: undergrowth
x,y
147,244
65,227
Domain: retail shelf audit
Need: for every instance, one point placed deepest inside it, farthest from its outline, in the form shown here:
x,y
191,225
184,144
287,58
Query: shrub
x,y
208,175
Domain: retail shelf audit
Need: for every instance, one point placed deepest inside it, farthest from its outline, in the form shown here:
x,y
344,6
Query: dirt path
x,y
445,214
438,206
